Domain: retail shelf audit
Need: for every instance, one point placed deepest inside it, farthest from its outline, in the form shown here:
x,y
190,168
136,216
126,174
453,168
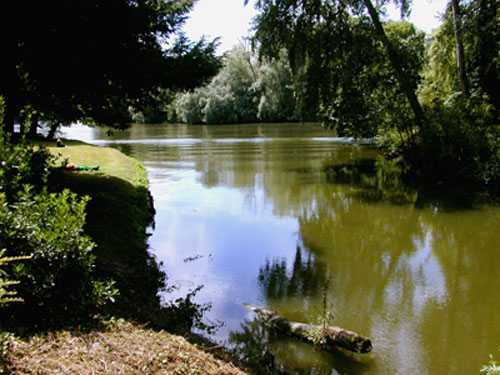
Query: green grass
x,y
111,162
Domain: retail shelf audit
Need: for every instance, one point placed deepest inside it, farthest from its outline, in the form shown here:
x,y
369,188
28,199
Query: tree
x,y
245,90
344,64
392,54
277,95
320,32
234,84
71,60
230,96
481,31
464,54
191,66
459,146
457,23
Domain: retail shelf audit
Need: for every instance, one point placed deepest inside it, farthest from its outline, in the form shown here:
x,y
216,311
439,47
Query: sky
x,y
231,20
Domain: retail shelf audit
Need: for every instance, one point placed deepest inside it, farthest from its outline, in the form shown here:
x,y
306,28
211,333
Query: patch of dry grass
x,y
118,348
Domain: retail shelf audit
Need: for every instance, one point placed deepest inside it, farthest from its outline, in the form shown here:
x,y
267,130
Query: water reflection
x,y
377,179
283,208
305,279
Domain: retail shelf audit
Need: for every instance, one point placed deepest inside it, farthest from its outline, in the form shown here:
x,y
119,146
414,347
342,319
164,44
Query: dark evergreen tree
x,y
95,59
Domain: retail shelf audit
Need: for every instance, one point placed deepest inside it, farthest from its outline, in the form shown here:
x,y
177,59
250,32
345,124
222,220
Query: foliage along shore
x,y
117,216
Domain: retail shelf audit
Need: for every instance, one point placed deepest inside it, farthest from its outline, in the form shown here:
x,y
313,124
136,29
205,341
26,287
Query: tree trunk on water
x,y
329,336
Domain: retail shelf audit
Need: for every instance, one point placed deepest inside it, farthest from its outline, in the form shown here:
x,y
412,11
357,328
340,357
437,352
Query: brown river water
x,y
282,215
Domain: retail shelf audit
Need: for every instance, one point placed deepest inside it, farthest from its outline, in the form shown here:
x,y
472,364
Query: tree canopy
x,y
346,67
70,60
478,22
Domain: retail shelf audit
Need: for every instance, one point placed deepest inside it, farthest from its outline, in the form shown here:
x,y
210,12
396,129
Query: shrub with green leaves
x,y
58,284
459,146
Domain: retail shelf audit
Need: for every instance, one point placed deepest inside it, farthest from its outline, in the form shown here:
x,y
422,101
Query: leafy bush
x,y
459,146
7,296
58,284
21,164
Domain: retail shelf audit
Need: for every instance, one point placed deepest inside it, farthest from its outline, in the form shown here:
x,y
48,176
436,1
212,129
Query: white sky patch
x,y
425,14
228,19
231,20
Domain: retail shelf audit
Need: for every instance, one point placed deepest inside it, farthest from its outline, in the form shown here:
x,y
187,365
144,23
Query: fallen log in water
x,y
325,337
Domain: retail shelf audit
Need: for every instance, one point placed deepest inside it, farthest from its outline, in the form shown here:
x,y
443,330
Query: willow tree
x,y
244,90
336,48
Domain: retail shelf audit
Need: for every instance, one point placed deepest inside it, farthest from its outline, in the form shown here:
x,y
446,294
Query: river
x,y
283,215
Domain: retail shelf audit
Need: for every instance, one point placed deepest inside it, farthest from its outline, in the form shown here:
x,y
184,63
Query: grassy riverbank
x,y
118,214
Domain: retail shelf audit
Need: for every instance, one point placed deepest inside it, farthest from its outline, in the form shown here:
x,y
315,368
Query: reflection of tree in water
x,y
385,262
305,279
267,351
252,346
125,148
377,179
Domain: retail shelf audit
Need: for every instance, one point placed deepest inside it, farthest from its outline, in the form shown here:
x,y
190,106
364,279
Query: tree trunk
x,y
33,126
53,128
8,125
9,118
327,337
460,48
393,58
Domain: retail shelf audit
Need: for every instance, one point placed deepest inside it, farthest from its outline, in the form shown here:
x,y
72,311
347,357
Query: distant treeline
x,y
245,90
